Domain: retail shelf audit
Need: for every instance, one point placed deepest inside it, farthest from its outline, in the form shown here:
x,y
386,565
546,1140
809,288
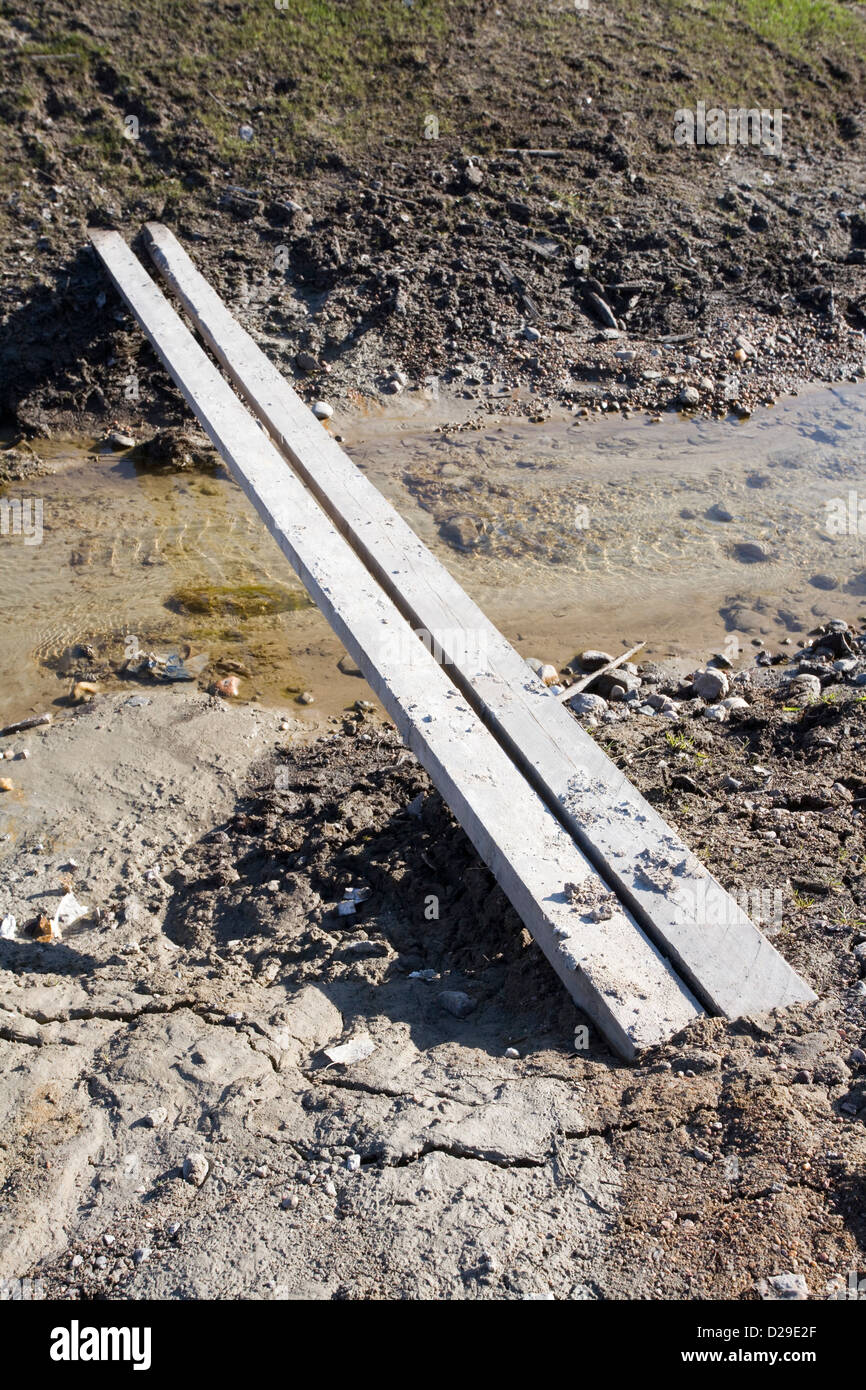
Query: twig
x,y
25,724
586,680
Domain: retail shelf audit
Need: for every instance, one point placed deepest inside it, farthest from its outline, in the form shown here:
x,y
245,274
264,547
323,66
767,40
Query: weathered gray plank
x,y
724,957
607,963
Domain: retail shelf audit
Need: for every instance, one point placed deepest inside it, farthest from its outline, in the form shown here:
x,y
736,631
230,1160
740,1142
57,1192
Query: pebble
x,y
330,1188
789,1286
353,1162
717,713
592,660
512,1052
857,1057
531,334
710,685
306,698
195,1168
322,410
455,1002
805,685
154,1118
690,397
118,440
290,1203
548,674
141,1254
585,703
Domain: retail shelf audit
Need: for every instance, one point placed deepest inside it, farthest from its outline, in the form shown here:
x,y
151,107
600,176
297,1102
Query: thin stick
x,y
602,671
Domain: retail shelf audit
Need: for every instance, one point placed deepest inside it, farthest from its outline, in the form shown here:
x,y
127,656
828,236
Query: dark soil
x,y
288,149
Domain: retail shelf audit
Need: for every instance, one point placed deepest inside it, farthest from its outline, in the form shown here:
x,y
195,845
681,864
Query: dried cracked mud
x,y
485,1147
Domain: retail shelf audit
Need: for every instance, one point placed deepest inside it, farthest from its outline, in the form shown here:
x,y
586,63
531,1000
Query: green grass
x,y
795,25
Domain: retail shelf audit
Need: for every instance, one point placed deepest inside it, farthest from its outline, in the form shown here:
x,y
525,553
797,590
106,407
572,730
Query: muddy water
x,y
693,534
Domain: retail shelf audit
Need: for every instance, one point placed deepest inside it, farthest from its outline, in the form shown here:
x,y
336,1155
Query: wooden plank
x,y
607,963
723,956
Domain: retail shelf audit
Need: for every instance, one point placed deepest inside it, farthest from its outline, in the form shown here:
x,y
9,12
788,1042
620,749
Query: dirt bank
x,y
364,186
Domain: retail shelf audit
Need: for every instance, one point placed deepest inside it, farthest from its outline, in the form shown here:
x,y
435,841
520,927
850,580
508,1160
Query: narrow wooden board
x,y
607,963
718,950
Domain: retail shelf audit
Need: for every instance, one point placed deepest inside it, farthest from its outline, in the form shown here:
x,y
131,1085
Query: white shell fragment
x,y
70,910
8,929
355,1050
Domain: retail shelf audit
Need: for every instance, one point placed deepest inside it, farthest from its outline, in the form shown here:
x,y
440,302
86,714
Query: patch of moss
x,y
238,601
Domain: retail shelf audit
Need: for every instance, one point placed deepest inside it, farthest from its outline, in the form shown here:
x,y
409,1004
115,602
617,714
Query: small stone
x,y
716,713
245,132
306,362
140,1255
531,334
789,1286
290,1203
710,685
548,674
857,1057
306,698
76,1261
512,1051
592,660
109,1240
195,1168
118,440
689,397
585,703
731,784
172,1229
261,1171
353,1162
455,1002
154,1118
322,410
330,1188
